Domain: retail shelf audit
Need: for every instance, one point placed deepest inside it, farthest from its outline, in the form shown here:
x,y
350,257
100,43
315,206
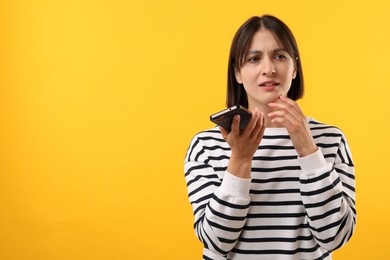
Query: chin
x,y
272,97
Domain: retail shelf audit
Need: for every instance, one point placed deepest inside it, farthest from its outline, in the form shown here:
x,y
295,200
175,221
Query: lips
x,y
269,83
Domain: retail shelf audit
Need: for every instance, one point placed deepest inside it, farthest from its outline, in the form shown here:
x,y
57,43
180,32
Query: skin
x,y
266,74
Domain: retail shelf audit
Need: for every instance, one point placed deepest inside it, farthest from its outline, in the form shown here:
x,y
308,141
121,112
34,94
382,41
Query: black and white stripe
x,y
292,208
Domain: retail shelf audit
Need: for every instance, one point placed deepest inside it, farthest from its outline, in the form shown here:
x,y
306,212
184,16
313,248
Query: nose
x,y
268,67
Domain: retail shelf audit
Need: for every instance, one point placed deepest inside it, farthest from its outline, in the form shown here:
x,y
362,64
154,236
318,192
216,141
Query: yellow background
x,y
99,101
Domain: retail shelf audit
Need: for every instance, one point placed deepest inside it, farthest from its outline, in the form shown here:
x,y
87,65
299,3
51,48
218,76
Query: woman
x,y
283,187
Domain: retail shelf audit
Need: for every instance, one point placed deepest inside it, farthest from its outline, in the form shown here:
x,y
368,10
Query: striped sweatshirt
x,y
292,207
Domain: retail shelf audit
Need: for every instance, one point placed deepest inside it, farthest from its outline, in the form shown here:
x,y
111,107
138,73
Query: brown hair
x,y
236,94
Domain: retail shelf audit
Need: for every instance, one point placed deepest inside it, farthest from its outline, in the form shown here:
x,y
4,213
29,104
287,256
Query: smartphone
x,y
224,118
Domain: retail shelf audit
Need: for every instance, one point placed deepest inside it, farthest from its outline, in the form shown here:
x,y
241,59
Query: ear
x,y
238,76
294,73
295,68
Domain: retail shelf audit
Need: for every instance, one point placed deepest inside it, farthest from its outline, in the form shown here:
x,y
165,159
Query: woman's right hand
x,y
244,143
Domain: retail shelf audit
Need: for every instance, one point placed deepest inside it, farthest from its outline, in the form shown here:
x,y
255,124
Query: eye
x,y
280,57
253,59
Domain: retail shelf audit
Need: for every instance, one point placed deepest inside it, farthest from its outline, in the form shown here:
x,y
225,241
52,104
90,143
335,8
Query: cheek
x,y
248,75
287,72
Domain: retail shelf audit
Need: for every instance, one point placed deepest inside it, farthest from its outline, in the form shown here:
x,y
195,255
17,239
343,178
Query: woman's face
x,y
267,70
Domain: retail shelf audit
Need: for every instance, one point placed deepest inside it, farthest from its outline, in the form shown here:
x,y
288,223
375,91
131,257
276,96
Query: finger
x,y
259,124
293,104
262,127
236,125
224,132
292,124
253,122
285,109
282,118
278,105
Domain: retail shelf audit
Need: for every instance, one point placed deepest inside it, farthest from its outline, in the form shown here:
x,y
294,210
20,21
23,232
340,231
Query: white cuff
x,y
235,186
312,163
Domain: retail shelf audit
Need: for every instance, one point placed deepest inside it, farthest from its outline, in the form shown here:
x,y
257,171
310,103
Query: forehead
x,y
264,39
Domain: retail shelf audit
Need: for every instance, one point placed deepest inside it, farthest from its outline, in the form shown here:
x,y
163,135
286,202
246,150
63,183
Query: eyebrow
x,y
257,51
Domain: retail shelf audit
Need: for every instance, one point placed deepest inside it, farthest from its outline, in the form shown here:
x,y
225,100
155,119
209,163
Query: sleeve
x,y
328,195
219,207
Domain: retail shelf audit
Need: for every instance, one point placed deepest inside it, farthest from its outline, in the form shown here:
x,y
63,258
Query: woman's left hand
x,y
288,114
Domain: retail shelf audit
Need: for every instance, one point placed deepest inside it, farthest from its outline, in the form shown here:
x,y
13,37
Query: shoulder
x,y
326,135
211,134
332,141
205,141
318,127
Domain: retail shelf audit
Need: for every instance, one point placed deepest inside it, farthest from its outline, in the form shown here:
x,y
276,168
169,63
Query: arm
x,y
327,189
220,207
328,194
